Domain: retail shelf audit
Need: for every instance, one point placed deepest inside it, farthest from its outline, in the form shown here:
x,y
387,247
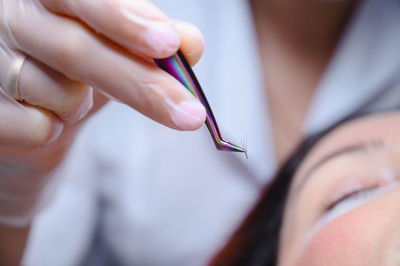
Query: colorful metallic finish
x,y
178,67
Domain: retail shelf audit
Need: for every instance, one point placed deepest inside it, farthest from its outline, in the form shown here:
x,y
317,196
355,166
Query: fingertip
x,y
55,132
192,41
170,103
188,115
81,110
43,127
163,39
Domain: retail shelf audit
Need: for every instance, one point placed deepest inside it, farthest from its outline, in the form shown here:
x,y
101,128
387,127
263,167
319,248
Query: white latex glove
x,y
71,47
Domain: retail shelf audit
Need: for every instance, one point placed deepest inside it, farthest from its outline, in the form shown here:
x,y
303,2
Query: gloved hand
x,y
72,46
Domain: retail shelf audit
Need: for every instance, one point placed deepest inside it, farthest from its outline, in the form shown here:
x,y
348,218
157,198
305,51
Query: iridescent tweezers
x,y
178,67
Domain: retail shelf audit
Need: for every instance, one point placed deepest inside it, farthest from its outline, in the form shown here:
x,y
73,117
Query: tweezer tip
x,y
224,145
245,153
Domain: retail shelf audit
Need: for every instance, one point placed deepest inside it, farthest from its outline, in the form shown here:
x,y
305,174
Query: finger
x,y
37,84
27,126
81,55
42,86
192,41
135,24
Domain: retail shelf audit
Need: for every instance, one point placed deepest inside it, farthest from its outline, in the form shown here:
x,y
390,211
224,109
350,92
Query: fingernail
x,y
188,115
57,130
82,110
197,40
163,38
160,36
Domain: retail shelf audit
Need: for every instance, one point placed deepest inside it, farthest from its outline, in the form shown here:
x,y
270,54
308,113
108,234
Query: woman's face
x,y
344,202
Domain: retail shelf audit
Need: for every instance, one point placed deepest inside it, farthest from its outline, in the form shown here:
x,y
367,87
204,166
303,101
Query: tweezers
x,y
178,67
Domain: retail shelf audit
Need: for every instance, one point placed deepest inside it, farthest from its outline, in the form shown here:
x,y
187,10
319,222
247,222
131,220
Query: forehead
x,y
362,130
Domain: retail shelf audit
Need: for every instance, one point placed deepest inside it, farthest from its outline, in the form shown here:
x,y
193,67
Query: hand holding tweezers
x,y
178,67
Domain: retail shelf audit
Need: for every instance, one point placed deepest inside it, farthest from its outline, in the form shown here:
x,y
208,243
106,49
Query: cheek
x,y
346,241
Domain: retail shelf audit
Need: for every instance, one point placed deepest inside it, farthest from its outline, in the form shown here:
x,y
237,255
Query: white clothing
x,y
157,197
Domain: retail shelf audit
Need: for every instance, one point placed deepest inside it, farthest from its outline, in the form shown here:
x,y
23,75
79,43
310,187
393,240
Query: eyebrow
x,y
346,150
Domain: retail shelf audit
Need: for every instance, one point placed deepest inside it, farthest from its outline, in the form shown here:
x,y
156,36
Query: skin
x,y
12,244
296,39
365,234
86,38
56,81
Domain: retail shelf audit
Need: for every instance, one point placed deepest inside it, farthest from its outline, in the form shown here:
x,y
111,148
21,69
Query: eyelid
x,y
361,195
350,203
349,194
368,179
335,212
343,188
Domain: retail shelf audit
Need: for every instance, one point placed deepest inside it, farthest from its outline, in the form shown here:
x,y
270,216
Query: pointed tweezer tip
x,y
245,153
232,147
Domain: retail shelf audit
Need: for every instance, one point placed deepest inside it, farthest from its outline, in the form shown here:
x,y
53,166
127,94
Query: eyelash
x,y
348,202
352,195
353,200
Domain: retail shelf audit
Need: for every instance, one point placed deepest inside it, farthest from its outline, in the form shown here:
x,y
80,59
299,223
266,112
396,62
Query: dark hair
x,y
255,243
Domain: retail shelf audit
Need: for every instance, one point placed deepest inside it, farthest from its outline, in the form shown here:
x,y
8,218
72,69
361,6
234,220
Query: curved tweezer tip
x,y
178,67
227,146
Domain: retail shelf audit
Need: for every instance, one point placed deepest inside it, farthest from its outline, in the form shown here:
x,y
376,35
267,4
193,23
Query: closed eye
x,y
357,194
356,199
350,201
